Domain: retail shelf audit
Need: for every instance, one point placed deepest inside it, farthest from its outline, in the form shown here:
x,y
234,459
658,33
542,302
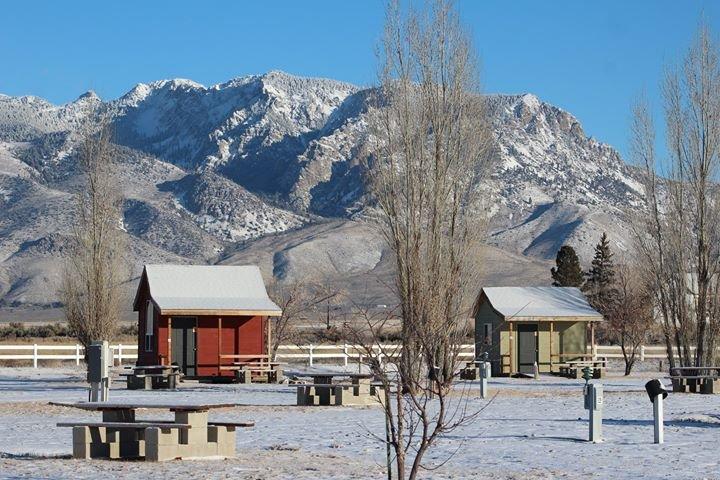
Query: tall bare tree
x,y
678,235
431,149
629,316
93,272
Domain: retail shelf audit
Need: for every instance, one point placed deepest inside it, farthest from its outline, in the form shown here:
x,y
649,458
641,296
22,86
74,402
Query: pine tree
x,y
568,272
600,286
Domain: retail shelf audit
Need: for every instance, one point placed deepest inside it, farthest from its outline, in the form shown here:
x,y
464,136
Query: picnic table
x,y
152,376
695,379
324,391
574,368
254,368
121,435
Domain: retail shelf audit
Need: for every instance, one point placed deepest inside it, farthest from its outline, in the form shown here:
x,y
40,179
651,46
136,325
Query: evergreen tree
x,y
600,286
568,272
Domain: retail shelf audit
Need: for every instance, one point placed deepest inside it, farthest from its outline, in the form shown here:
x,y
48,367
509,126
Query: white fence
x,y
310,354
346,352
62,352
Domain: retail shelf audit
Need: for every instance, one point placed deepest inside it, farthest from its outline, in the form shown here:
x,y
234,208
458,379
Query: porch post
x,y
592,341
551,345
269,337
510,337
219,333
169,340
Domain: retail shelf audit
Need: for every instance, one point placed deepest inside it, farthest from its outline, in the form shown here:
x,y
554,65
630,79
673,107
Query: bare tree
x,y
93,272
431,148
630,321
678,235
298,300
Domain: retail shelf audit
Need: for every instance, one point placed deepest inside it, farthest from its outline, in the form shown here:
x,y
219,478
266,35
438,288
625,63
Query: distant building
x,y
518,326
202,317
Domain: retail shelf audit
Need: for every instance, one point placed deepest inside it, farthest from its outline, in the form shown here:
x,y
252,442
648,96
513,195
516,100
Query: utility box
x,y
593,396
99,360
97,355
485,370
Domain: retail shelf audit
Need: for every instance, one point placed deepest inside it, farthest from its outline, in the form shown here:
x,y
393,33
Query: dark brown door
x,y
183,344
527,347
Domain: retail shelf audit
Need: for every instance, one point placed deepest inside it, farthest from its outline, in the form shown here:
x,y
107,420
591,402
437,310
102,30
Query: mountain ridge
x,y
208,170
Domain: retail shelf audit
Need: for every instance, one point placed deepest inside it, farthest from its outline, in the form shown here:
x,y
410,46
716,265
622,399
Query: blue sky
x,y
591,58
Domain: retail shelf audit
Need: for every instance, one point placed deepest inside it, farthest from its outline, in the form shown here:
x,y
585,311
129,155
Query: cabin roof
x,y
519,303
208,289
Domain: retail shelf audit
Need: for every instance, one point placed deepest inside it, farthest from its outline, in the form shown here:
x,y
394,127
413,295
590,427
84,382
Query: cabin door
x,y
183,344
527,347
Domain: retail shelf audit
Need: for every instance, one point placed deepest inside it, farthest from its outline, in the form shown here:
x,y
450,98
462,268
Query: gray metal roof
x,y
517,302
209,287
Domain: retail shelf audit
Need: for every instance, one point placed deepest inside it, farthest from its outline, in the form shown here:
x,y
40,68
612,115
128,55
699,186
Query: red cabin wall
x,y
149,357
239,336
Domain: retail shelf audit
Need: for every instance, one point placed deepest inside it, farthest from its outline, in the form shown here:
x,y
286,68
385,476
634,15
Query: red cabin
x,y
202,317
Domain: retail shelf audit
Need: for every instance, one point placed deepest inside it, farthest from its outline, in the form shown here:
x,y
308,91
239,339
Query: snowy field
x,y
532,429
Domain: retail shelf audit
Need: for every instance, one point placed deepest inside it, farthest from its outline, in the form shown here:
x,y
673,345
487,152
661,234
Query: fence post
x,y
642,353
310,356
35,359
119,354
345,353
77,354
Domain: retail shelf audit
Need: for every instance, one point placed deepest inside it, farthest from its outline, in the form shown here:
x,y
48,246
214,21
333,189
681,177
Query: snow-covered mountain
x,y
208,173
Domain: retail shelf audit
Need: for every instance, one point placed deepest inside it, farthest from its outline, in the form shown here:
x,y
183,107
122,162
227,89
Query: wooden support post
x,y
269,338
592,340
551,345
219,333
510,338
169,340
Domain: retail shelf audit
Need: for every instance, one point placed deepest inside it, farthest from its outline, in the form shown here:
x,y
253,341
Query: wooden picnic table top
x,y
333,374
693,377
100,406
119,425
153,367
259,363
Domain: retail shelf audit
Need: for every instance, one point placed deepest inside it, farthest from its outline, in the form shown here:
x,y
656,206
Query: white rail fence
x,y
309,354
75,353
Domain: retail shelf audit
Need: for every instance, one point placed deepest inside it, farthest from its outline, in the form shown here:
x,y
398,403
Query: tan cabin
x,y
519,326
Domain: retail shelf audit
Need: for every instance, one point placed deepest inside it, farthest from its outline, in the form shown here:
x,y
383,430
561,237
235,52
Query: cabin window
x,y
149,327
487,333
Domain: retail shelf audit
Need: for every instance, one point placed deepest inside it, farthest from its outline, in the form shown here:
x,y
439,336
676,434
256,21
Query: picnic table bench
x,y
693,380
254,368
120,435
574,368
150,377
323,391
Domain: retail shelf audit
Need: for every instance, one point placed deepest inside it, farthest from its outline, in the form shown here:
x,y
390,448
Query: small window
x,y
487,333
149,327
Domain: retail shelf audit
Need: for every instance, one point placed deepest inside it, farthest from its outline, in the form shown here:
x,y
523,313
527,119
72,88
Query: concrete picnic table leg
x,y
124,442
161,444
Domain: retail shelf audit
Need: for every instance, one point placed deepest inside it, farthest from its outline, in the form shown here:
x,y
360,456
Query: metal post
x,y
35,355
593,395
345,353
310,356
658,418
483,380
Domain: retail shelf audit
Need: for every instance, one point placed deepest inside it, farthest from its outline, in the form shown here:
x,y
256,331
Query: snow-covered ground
x,y
532,429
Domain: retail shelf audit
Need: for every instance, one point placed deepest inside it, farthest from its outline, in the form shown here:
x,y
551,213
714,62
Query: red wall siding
x,y
240,336
207,343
